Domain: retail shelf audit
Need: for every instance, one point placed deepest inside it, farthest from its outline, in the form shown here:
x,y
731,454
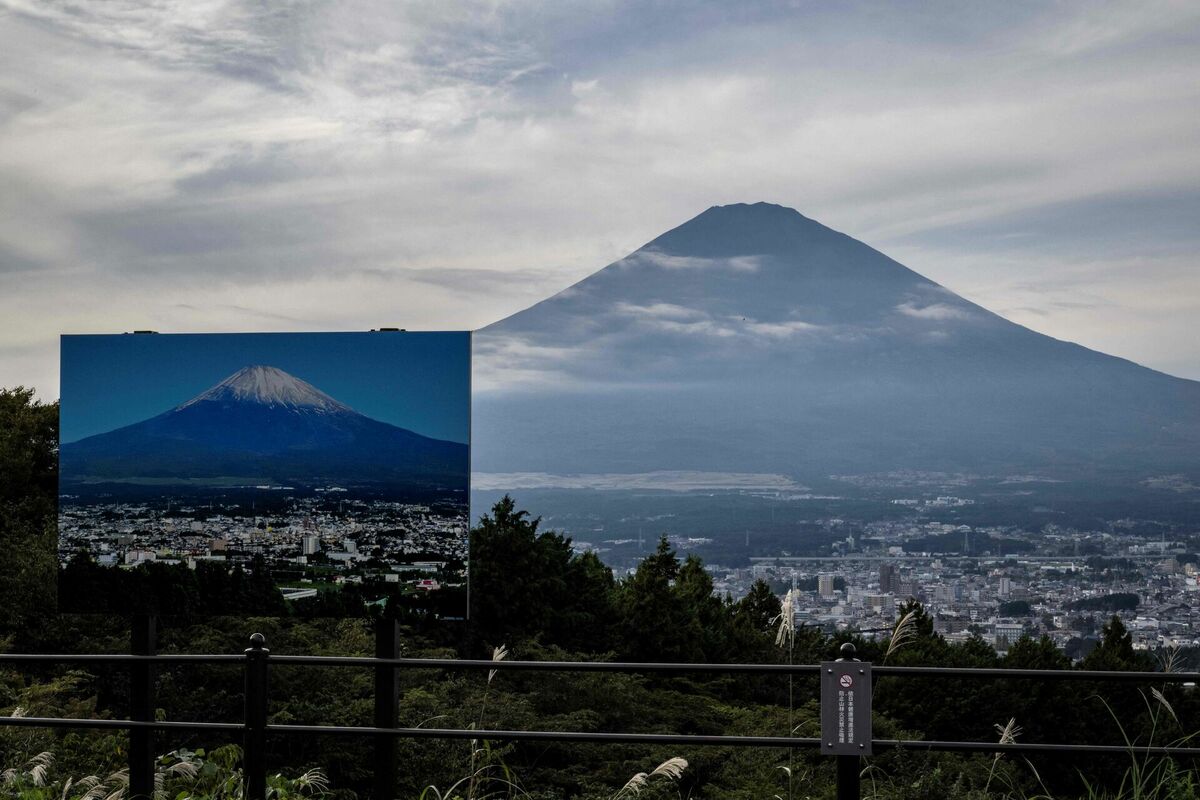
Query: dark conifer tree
x,y
28,490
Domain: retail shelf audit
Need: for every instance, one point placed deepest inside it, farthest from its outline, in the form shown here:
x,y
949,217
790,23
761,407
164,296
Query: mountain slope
x,y
265,424
754,339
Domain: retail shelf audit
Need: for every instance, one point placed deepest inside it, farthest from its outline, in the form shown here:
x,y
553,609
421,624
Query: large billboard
x,y
264,473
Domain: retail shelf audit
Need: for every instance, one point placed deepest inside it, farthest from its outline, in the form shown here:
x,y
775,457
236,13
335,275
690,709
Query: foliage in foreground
x,y
178,775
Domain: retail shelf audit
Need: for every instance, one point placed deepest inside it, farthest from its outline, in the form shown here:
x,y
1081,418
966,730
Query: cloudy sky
x,y
202,165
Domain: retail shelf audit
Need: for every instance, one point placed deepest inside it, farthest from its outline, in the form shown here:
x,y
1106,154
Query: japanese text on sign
x,y
846,708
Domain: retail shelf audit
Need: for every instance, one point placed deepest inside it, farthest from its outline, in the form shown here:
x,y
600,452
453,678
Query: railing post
x,y
143,641
254,762
387,697
848,767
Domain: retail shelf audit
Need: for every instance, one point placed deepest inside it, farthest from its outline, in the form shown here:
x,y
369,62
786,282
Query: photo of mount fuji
x,y
328,470
263,423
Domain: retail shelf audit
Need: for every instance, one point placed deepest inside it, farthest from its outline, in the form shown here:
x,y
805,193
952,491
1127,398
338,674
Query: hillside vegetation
x,y
535,598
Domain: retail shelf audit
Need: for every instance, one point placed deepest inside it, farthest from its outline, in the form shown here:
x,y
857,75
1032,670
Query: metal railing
x,y
255,726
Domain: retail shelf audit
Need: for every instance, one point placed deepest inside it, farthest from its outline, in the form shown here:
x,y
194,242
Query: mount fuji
x,y
754,339
265,425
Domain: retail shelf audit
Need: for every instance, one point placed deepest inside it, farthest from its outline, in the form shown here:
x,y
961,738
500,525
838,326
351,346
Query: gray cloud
x,y
487,280
12,261
446,164
1134,223
933,311
669,261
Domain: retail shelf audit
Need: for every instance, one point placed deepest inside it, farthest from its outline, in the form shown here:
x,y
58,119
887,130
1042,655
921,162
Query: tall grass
x,y
671,769
1149,777
178,775
482,770
785,636
904,633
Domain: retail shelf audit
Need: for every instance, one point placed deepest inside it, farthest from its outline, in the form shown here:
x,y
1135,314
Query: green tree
x,y
28,488
694,588
1015,608
28,453
526,584
511,574
585,622
1046,710
1041,653
921,621
1115,651
759,608
655,622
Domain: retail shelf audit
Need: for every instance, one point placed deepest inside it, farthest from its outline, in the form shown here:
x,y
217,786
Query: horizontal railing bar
x,y
563,666
119,658
640,666
1038,674
564,736
1031,747
118,724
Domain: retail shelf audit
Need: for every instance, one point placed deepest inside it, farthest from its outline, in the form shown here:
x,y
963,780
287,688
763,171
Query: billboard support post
x,y
143,641
254,759
387,699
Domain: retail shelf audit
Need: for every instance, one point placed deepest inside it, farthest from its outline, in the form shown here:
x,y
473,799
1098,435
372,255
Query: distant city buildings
x,y
889,579
1063,584
305,542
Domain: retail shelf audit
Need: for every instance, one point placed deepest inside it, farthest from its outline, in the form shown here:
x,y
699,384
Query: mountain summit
x,y
269,386
752,338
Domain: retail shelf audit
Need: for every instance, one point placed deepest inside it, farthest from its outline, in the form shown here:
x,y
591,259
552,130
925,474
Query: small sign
x,y
846,708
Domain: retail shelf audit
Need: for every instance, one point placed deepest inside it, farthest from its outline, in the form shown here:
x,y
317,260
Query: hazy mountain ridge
x,y
754,339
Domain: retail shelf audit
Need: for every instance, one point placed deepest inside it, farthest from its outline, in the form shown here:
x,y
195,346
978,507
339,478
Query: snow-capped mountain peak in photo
x,y
269,386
